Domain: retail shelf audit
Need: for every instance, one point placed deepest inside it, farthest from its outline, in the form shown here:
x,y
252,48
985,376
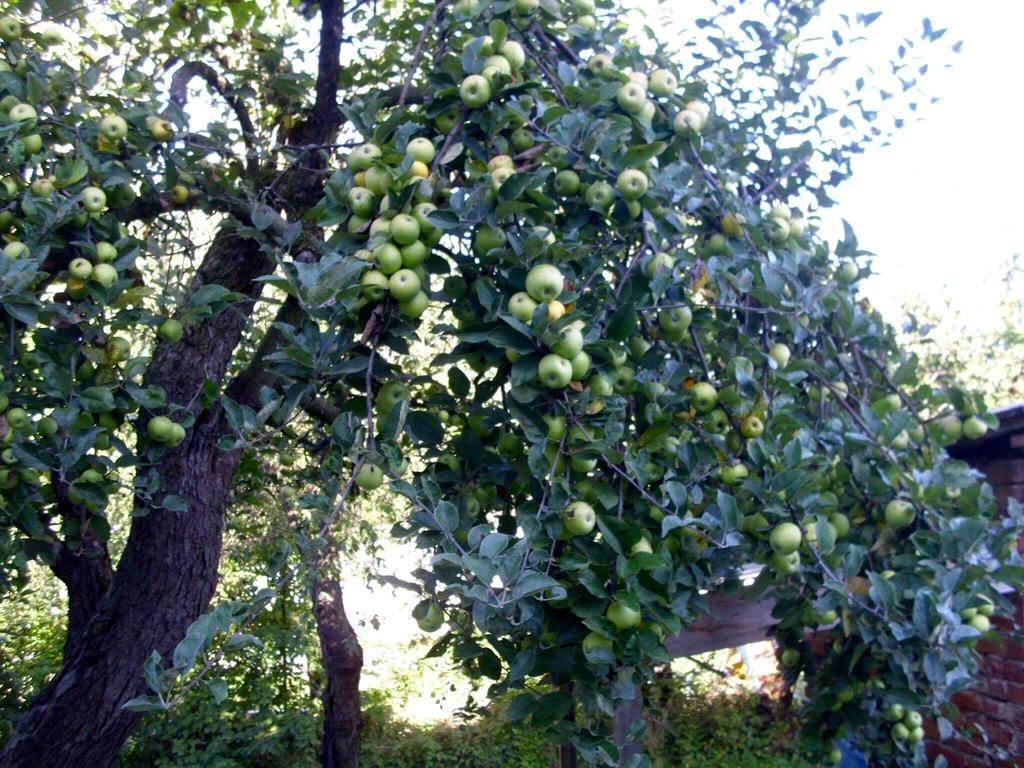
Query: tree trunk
x,y
343,661
169,568
87,577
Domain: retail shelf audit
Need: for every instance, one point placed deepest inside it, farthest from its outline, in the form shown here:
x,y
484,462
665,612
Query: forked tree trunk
x,y
343,661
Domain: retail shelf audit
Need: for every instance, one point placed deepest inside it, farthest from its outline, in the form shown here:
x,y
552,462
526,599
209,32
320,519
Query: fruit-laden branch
x,y
179,95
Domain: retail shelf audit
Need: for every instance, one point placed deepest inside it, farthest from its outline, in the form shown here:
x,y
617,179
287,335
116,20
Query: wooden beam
x,y
732,622
625,716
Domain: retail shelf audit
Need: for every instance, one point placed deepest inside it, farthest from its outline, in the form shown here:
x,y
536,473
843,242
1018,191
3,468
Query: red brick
x,y
978,701
957,759
997,733
1003,647
1004,472
1002,669
1003,690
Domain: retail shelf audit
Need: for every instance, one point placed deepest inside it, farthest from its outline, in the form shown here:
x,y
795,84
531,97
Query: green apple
x,y
704,396
361,201
416,306
160,429
554,371
514,54
170,330
388,258
980,623
778,229
895,712
916,735
580,366
475,91
675,322
114,127
899,513
80,268
525,7
374,284
751,426
523,139
160,129
94,199
362,157
496,66
847,272
22,113
840,523
105,252
391,394
544,282
378,180
499,176
659,263
421,149
631,97
566,183
403,285
579,518
486,239
429,618
10,28
421,212
785,538
663,83
32,143
790,657
950,428
593,641
118,348
780,354
600,63
521,306
42,187
179,194
786,565
974,428
625,380
48,426
405,229
104,274
556,428
369,477
687,124
622,615
500,161
568,343
632,184
18,250
913,720
734,474
600,385
900,732
600,195
414,254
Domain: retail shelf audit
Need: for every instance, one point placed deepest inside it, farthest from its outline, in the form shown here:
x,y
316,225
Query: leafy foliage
x,y
647,371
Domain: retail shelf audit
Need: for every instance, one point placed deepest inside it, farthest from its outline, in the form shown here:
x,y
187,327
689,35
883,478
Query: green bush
x,y
700,727
695,727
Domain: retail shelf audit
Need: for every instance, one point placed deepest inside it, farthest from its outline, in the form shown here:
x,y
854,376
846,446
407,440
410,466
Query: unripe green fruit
x,y
370,477
171,330
544,282
160,429
785,538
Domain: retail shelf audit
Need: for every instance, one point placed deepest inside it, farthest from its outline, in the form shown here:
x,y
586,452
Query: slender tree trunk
x,y
343,661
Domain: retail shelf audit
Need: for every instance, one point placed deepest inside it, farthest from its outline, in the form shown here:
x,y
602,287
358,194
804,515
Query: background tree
x,y
652,373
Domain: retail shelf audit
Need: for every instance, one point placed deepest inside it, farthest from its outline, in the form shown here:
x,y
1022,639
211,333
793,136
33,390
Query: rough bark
x,y
87,577
343,661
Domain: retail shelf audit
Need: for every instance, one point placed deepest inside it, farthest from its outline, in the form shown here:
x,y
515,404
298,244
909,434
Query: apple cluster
x,y
399,237
78,384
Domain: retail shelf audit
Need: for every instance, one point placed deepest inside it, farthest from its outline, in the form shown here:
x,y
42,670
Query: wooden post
x,y
625,716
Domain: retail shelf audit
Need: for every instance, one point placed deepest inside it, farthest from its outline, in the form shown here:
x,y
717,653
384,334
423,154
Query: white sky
x,y
942,205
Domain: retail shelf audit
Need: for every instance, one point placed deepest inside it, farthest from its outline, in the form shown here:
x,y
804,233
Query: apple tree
x,y
564,297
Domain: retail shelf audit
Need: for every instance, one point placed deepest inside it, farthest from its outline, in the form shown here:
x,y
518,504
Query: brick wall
x,y
996,703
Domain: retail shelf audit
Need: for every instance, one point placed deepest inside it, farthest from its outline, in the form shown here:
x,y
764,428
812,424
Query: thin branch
x,y
418,53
